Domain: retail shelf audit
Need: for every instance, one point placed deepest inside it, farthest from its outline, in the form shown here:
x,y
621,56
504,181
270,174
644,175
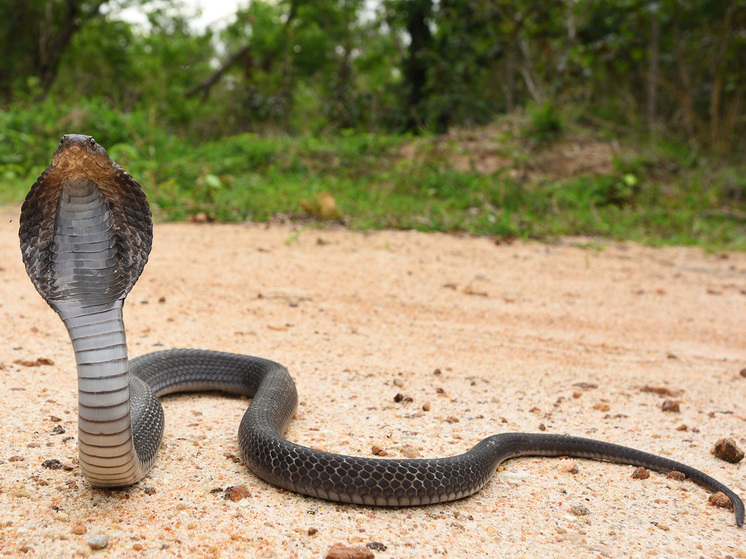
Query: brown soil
x,y
478,337
494,148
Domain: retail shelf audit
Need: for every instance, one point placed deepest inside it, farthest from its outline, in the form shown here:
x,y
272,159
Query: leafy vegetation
x,y
458,115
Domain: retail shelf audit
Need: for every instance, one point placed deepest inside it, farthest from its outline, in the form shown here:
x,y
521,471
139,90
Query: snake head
x,y
79,156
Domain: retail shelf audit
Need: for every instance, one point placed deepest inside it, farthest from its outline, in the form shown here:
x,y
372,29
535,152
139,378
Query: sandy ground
x,y
494,337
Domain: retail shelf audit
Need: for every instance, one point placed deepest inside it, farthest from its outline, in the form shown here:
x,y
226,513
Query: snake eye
x,y
92,142
62,140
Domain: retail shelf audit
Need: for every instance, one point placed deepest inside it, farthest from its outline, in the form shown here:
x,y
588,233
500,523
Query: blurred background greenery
x,y
619,118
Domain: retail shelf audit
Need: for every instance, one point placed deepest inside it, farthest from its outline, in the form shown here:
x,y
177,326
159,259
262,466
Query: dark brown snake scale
x,y
86,233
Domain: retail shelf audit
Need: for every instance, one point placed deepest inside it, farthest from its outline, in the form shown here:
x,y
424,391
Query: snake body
x,y
86,233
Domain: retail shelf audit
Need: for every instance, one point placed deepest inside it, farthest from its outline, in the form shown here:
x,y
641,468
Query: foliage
x,y
380,180
662,69
294,98
546,122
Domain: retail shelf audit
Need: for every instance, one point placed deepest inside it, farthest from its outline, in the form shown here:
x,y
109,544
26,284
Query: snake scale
x,y
86,233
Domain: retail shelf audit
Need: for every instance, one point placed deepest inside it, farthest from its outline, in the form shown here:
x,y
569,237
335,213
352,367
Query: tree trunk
x,y
653,72
726,35
415,67
53,42
685,88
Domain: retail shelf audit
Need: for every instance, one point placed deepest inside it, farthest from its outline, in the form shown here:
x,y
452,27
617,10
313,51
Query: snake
x,y
86,231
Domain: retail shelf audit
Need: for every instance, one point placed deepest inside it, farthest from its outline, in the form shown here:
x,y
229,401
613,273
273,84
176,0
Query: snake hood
x,y
81,167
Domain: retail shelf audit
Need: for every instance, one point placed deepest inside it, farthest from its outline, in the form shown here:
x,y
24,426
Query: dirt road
x,y
482,337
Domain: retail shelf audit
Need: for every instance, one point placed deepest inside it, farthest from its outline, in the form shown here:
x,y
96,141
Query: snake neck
x,y
87,295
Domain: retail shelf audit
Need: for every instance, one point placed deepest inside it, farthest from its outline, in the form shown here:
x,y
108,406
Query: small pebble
x,y
670,406
678,476
312,531
601,407
402,398
376,546
378,451
743,373
452,419
569,466
410,451
148,490
727,449
579,510
78,530
426,406
640,473
98,541
137,546
515,475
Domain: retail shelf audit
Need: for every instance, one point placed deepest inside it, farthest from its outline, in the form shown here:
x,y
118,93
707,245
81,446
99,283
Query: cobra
x,y
86,232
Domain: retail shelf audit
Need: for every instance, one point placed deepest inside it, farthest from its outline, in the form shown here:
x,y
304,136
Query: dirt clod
x,y
36,363
640,473
727,449
236,493
670,406
660,390
720,499
55,464
341,551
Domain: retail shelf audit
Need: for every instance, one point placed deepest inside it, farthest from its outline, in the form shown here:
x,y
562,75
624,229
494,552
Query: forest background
x,y
621,119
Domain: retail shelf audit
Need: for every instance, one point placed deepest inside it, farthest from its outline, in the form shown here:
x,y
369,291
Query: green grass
x,y
375,186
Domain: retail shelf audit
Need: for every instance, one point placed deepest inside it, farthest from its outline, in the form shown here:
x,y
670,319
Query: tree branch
x,y
205,85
